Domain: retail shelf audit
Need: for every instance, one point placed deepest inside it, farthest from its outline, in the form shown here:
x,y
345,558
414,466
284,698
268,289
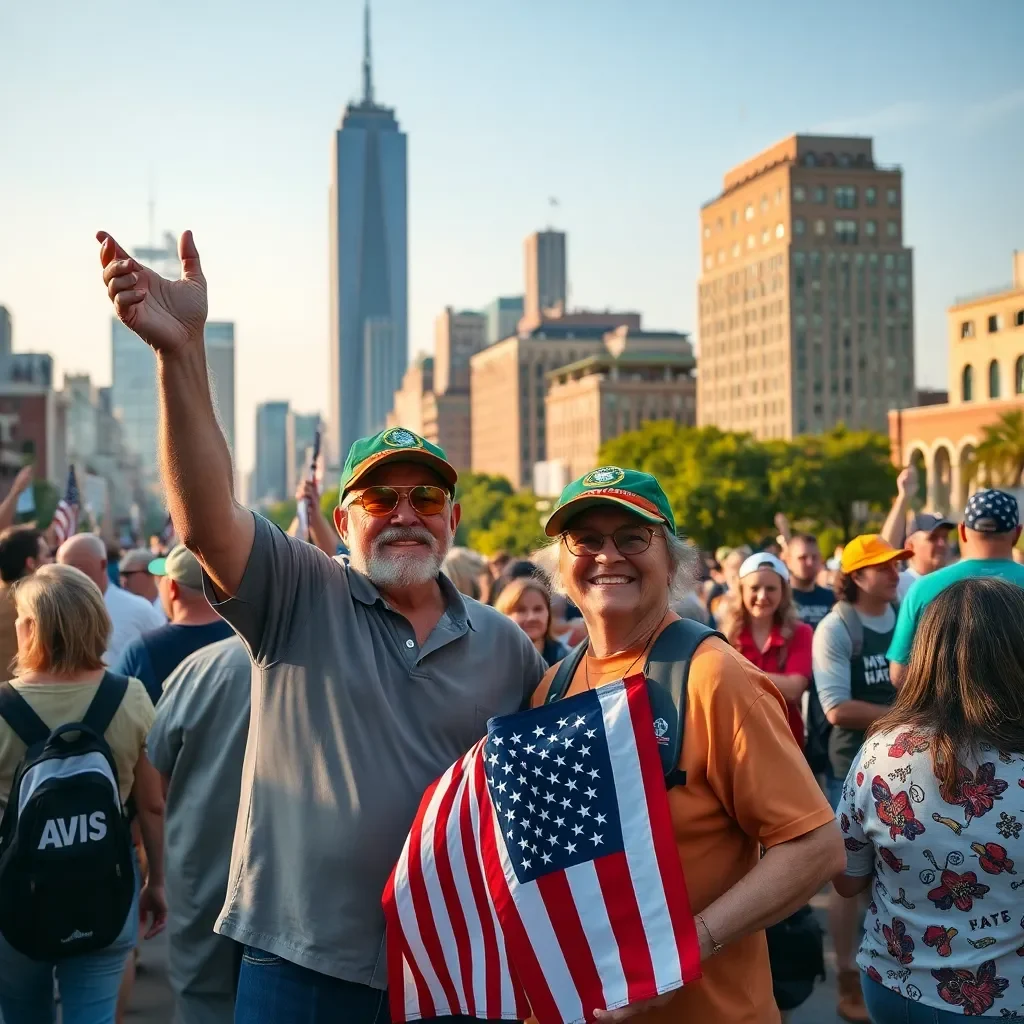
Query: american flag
x,y
541,873
65,515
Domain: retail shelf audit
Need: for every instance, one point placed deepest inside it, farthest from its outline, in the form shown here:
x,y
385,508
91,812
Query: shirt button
x,y
410,644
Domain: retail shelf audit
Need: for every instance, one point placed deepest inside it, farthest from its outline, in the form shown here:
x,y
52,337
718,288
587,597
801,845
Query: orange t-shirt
x,y
747,786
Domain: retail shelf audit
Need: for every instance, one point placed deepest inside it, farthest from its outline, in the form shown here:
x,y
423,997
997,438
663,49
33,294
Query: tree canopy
x,y
1001,451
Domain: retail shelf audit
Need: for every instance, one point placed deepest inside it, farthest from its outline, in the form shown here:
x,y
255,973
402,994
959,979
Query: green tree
x,y
328,503
281,513
820,477
1001,451
515,527
716,482
482,497
46,497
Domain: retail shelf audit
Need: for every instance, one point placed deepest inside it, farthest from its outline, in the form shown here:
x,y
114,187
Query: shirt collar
x,y
775,637
364,591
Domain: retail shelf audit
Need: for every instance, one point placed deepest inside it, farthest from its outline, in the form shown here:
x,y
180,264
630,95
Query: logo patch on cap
x,y
604,477
399,437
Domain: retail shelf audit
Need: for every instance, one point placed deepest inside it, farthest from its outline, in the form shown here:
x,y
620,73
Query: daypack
x,y
667,670
67,880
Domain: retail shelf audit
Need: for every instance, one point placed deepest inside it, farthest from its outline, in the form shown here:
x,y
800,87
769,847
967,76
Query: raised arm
x,y
9,506
194,459
894,529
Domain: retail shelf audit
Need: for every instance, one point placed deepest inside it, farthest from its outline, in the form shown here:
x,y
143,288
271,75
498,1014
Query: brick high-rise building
x,y
458,336
546,274
806,292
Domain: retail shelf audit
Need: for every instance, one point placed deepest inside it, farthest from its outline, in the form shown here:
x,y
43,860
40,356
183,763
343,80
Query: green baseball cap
x,y
630,489
396,444
181,566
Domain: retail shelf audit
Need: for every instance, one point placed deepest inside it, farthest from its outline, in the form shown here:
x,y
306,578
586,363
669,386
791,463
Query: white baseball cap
x,y
764,560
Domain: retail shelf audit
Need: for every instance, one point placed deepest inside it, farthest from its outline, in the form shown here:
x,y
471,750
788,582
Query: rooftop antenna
x,y
367,59
552,206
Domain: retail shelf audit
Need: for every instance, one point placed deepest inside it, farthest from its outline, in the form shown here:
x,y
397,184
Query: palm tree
x,y
1001,451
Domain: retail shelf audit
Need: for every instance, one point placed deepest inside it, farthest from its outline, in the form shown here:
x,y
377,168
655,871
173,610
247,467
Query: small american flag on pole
x,y
541,874
65,515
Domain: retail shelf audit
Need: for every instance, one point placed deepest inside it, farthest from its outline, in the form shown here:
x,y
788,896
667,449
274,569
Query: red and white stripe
x,y
65,521
602,934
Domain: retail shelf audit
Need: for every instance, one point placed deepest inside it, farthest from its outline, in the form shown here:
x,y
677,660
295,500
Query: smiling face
x,y
610,583
931,550
402,548
762,593
531,614
879,582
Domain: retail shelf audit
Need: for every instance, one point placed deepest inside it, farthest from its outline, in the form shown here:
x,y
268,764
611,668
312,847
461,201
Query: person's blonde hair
x,y
733,616
464,567
72,626
513,592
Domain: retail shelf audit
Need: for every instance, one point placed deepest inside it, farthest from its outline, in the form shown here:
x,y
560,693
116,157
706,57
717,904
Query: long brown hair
x,y
965,681
734,617
512,594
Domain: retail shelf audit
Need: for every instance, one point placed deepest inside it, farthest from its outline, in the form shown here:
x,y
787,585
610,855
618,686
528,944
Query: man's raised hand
x,y
167,315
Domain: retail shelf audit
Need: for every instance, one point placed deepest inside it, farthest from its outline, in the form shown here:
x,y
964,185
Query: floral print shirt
x,y
945,926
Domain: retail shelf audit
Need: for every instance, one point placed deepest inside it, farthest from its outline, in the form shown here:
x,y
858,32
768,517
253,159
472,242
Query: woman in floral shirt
x,y
932,815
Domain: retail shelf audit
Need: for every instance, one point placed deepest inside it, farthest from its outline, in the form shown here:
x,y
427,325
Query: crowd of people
x,y
283,702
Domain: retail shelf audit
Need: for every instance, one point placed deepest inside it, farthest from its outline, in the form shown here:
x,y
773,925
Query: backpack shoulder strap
x,y
105,702
18,714
851,620
667,671
566,670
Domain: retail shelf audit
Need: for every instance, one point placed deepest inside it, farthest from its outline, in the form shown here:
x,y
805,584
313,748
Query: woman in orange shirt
x,y
747,785
764,627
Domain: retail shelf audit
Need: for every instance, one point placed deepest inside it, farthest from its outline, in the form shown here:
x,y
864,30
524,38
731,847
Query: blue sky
x,y
629,113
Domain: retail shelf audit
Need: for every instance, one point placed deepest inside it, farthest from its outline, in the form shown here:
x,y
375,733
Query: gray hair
x,y
683,559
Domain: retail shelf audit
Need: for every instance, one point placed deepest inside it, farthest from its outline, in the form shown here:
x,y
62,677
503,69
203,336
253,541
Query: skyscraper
x,y
369,265
271,477
6,332
220,358
806,292
545,274
503,316
458,336
300,431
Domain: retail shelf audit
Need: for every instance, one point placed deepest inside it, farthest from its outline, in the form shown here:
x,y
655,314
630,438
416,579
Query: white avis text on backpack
x,y
82,828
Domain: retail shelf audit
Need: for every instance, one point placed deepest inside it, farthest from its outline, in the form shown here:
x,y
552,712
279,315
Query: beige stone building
x,y
640,376
986,380
806,292
458,336
509,382
546,274
407,405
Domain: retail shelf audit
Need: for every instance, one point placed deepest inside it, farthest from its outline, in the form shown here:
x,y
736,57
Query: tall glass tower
x,y
369,266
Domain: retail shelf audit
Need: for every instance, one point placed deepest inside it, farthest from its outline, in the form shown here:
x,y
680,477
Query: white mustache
x,y
393,533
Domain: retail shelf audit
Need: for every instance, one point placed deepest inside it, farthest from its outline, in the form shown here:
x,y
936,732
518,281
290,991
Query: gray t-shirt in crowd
x,y
351,721
832,650
198,740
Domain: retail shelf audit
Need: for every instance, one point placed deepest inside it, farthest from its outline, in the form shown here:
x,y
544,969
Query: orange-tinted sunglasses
x,y
425,499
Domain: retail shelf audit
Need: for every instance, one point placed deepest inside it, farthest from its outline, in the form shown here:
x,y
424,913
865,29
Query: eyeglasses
x,y
628,540
425,499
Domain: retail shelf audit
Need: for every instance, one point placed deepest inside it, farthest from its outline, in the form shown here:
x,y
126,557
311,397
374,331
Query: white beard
x,y
388,571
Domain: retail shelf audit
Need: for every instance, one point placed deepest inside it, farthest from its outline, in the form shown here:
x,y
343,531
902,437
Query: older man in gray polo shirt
x,y
369,678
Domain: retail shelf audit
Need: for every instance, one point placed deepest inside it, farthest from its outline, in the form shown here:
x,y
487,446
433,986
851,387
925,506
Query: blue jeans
x,y
88,983
272,990
888,1007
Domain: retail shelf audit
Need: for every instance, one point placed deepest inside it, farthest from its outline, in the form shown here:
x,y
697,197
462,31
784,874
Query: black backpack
x,y
667,670
67,880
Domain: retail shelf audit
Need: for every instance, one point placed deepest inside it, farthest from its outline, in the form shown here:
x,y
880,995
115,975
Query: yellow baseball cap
x,y
870,549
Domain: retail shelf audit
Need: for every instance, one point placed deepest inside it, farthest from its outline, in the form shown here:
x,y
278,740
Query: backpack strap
x,y
851,620
668,671
18,714
105,702
566,670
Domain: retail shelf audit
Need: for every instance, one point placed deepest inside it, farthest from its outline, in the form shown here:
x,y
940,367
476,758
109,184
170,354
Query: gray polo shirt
x,y
198,740
351,720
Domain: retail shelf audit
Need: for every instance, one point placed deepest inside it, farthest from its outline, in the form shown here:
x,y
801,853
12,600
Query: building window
x,y
764,204
1018,376
748,213
780,230
707,231
733,218
735,249
845,197
819,227
765,236
1018,318
721,255
967,384
799,193
870,228
870,196
995,323
709,261
993,379
798,225
778,197
846,232
892,228
751,241
821,194
810,160
892,197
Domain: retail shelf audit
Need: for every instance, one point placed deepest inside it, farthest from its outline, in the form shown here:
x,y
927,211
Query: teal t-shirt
x,y
927,588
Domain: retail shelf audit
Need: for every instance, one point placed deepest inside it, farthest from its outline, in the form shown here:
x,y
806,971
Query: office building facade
x,y
6,332
271,478
806,292
368,266
220,359
300,440
503,316
546,275
458,336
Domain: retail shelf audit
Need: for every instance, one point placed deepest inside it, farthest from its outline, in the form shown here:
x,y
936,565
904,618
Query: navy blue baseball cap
x,y
992,512
926,523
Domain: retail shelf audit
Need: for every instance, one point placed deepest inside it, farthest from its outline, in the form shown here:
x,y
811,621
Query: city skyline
x,y
245,167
